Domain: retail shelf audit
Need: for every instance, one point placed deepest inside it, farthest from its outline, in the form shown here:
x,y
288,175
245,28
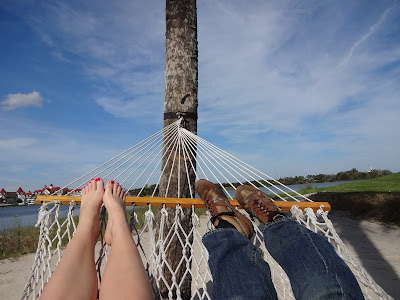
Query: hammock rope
x,y
139,166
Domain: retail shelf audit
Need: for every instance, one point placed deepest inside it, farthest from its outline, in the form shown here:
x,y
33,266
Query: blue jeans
x,y
310,261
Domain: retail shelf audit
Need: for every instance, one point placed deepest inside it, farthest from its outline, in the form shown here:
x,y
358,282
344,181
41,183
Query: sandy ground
x,y
374,245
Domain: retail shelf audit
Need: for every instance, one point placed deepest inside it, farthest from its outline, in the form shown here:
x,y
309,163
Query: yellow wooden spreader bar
x,y
184,202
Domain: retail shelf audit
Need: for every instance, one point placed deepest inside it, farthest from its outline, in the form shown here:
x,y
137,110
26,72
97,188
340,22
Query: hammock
x,y
139,166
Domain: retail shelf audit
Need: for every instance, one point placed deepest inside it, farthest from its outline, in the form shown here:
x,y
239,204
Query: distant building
x,y
21,197
49,190
75,192
8,197
20,194
3,194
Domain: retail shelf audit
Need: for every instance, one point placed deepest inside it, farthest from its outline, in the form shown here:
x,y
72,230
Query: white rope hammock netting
x,y
140,166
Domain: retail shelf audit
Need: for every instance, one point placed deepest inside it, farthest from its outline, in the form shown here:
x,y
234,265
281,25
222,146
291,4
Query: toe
x,y
121,193
109,186
91,185
118,190
115,188
99,184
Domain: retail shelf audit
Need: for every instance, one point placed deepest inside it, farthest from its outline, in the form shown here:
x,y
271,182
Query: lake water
x,y
27,215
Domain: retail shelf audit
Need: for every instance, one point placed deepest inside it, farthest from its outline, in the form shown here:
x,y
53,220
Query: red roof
x,y
21,191
56,189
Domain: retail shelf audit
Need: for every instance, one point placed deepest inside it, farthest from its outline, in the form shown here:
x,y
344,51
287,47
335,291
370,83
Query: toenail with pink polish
x,y
111,181
98,179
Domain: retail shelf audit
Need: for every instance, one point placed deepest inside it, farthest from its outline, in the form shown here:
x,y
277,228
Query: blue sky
x,y
291,87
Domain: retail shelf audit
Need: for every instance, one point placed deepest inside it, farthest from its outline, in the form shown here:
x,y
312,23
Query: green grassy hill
x,y
371,199
389,183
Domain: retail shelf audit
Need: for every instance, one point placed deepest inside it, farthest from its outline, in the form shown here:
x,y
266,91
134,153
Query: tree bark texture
x,y
181,79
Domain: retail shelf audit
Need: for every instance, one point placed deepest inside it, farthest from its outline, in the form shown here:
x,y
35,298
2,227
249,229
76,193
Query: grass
x,y
389,183
140,213
282,195
383,207
200,211
371,199
18,241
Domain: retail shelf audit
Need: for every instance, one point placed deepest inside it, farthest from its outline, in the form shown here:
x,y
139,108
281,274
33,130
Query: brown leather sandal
x,y
220,208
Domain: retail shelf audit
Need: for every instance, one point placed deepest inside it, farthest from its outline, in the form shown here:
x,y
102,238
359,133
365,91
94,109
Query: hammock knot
x,y
164,212
148,216
297,212
135,219
195,218
310,214
179,212
321,211
44,213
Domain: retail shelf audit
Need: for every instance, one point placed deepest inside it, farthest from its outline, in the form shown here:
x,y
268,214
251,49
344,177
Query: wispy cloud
x,y
14,101
16,143
370,32
272,75
244,75
38,155
119,47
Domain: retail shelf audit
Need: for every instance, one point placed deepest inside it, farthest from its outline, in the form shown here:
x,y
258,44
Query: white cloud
x,y
14,101
16,143
118,107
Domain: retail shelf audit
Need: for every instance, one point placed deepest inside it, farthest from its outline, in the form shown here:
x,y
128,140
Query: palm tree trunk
x,y
181,79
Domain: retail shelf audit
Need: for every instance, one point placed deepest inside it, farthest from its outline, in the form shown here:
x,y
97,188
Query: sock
x,y
224,224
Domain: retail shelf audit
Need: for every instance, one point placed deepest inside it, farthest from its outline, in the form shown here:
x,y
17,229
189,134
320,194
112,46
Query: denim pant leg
x,y
237,267
310,261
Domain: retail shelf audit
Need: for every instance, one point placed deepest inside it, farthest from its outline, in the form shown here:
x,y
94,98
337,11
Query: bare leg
x,y
75,276
124,276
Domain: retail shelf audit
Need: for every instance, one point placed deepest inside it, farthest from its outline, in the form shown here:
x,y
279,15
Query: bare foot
x,y
92,196
114,200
